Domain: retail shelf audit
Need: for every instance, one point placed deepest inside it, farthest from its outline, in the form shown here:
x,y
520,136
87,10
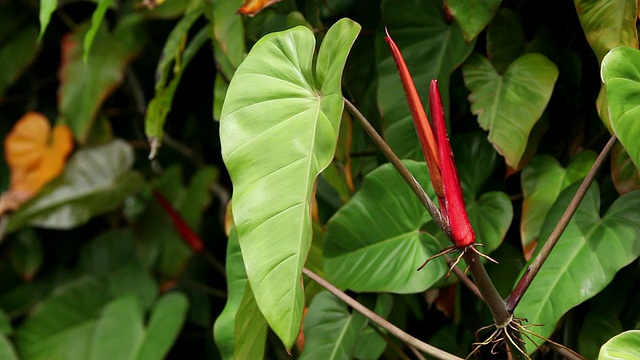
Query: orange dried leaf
x,y
35,154
252,7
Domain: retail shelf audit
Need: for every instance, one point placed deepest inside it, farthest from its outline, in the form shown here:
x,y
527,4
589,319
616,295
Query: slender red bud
x,y
189,236
420,120
461,231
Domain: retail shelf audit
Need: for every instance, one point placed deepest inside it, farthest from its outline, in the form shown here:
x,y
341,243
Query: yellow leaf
x,y
35,154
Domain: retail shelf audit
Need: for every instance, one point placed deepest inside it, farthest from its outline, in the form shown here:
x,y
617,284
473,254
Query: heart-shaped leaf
x,y
432,49
542,181
509,104
276,139
621,76
472,15
625,346
95,181
585,259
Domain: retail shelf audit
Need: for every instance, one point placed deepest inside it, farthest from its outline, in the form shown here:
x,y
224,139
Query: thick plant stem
x,y
525,281
485,285
383,323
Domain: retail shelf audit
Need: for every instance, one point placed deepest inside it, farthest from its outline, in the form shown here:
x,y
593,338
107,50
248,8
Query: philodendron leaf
x,y
625,346
432,48
374,243
509,104
250,329
542,181
472,15
624,173
621,76
95,181
330,329
276,139
585,259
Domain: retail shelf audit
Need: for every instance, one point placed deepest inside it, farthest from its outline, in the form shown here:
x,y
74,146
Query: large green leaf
x,y
275,140
598,327
624,173
505,39
84,86
330,329
625,346
585,259
608,24
621,76
473,15
374,243
62,326
432,48
509,104
542,181
250,329
95,181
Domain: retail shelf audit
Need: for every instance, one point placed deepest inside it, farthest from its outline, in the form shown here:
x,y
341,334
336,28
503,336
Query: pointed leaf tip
x,y
455,210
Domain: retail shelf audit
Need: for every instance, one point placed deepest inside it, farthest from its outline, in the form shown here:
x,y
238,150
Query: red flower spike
x,y
420,120
456,213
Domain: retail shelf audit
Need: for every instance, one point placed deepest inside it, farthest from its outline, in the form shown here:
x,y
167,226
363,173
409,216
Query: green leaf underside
x,y
625,346
276,139
331,330
621,76
95,181
473,15
586,258
432,49
250,328
542,181
509,105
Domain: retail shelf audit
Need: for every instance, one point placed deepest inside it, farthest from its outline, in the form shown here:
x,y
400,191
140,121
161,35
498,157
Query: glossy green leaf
x,y
585,259
224,327
17,51
505,39
95,181
598,327
625,346
250,328
96,22
621,76
84,86
432,48
542,181
370,344
62,326
330,329
624,173
509,105
7,352
374,243
472,15
608,24
47,7
275,141
175,58
119,331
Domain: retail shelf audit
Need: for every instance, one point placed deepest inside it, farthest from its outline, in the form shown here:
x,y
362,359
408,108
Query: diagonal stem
x,y
382,322
518,292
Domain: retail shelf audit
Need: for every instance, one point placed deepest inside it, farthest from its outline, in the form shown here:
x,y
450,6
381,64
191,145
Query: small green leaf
x,y
163,327
275,141
509,105
47,7
119,331
625,346
95,181
96,21
432,49
224,327
589,253
473,15
597,328
228,31
621,76
542,181
330,329
250,329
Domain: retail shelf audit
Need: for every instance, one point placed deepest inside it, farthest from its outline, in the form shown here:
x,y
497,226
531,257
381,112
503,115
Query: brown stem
x,y
383,323
525,281
464,278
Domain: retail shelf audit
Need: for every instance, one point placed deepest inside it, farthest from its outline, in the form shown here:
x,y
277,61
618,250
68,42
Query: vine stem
x,y
527,278
489,293
380,321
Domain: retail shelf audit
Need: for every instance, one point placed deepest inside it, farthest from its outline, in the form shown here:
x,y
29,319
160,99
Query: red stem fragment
x,y
186,233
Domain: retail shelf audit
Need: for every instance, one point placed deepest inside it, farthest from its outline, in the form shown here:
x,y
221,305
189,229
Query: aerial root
x,y
454,263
